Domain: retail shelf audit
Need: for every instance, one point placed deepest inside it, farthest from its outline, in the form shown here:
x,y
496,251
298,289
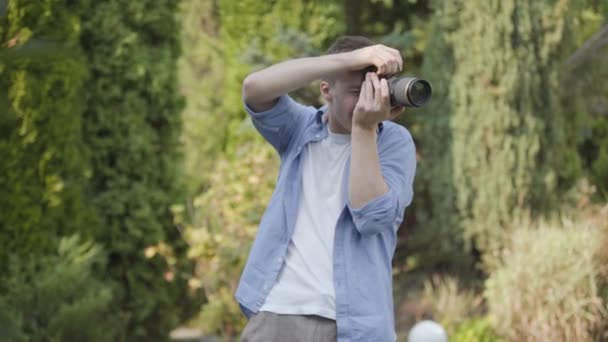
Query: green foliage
x,y
57,297
44,167
587,73
438,228
546,286
230,170
506,146
132,124
602,260
224,222
452,304
224,41
599,162
478,330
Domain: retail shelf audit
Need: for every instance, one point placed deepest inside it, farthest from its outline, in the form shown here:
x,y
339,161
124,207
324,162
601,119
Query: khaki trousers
x,y
270,327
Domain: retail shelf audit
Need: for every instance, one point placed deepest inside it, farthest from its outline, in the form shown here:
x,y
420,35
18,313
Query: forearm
x,y
366,181
276,80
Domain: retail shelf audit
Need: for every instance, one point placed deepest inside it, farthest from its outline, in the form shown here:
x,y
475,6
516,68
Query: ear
x,y
326,92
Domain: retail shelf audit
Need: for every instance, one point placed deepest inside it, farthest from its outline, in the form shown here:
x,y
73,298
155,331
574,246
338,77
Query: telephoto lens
x,y
408,91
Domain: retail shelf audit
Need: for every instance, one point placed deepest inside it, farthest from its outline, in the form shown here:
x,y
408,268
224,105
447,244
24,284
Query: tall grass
x,y
548,284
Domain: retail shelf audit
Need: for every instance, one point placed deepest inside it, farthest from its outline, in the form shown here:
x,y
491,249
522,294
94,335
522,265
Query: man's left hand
x,y
374,104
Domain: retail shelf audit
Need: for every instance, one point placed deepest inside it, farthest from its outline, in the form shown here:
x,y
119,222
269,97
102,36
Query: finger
x,y
369,90
398,59
383,59
394,67
388,57
391,62
385,97
382,67
362,93
376,86
395,63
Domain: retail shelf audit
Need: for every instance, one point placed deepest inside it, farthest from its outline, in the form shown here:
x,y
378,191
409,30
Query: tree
x,y
132,124
45,165
497,142
231,170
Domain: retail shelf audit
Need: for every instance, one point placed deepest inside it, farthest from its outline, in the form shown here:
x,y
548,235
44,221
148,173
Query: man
x,y
320,267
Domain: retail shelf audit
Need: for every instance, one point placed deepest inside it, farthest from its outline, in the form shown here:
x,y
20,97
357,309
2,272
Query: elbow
x,y
378,216
249,87
256,94
375,225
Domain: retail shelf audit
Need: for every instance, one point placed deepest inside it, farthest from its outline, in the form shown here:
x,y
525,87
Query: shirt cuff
x,y
377,215
278,109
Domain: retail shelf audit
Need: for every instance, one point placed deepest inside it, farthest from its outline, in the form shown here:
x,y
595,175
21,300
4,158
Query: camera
x,y
408,91
405,91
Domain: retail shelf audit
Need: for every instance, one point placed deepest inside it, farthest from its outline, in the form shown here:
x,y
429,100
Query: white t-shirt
x,y
305,284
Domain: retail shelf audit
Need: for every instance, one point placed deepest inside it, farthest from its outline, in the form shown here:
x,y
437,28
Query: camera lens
x,y
409,91
419,92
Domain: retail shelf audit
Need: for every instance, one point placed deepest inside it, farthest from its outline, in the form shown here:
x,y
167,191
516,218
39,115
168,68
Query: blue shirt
x,y
365,238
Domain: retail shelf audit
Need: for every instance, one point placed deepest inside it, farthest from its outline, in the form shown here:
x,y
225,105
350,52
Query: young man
x,y
320,267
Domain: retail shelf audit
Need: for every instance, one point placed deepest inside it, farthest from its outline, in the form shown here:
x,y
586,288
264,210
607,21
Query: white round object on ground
x,y
427,331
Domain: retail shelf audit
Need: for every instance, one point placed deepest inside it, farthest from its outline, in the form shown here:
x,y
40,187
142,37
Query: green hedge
x,y
44,164
132,125
496,141
89,144
57,297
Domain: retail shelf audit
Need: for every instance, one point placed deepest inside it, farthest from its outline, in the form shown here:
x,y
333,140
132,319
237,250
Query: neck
x,y
333,124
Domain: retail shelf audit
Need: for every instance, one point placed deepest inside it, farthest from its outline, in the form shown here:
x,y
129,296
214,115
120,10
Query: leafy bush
x,y
82,76
601,220
133,123
546,287
44,166
58,298
224,222
475,330
229,169
451,304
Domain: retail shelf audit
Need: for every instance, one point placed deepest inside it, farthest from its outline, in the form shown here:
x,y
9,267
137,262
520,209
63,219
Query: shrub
x,y
132,123
58,298
477,330
44,165
224,222
451,304
546,286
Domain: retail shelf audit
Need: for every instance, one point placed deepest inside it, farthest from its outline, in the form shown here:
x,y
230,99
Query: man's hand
x,y
374,103
387,61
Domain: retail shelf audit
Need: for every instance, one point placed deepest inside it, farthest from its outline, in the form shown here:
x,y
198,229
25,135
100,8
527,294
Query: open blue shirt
x,y
365,238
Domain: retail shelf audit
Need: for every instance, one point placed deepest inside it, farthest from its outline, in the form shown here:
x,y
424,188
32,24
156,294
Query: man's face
x,y
342,95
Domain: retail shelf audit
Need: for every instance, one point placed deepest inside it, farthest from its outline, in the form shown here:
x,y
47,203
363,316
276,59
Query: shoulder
x,y
394,133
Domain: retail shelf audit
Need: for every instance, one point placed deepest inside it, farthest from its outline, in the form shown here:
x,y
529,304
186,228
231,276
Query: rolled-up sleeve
x,y
278,124
398,162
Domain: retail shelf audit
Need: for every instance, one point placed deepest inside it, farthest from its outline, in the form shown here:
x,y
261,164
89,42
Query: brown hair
x,y
349,43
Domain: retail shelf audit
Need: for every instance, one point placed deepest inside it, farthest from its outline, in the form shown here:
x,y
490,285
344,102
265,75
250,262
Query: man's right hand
x,y
261,89
388,61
